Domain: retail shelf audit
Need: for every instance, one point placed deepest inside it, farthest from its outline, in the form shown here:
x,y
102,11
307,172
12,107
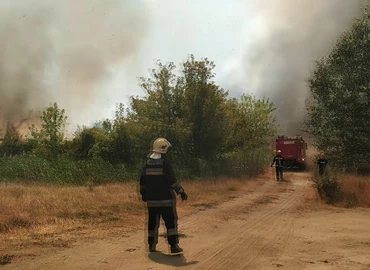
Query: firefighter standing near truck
x,y
158,185
322,162
279,163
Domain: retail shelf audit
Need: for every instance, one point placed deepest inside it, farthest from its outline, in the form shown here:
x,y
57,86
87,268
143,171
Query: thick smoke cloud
x,y
63,50
280,57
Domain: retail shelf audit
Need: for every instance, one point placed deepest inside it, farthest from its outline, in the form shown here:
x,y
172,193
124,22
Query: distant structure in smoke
x,y
62,51
292,35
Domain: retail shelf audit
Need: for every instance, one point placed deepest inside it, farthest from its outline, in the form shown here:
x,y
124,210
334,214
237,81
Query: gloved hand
x,y
184,196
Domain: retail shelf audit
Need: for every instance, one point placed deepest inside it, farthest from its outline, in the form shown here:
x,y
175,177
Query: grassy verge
x,y
343,190
63,171
356,191
35,205
44,210
67,171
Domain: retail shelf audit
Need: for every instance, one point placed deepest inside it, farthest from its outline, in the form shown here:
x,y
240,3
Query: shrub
x,y
328,188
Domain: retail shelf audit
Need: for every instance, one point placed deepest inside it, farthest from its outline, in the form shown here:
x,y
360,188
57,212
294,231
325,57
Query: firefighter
x,y
322,162
158,185
279,163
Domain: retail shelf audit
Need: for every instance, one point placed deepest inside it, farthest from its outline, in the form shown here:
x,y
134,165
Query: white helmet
x,y
161,145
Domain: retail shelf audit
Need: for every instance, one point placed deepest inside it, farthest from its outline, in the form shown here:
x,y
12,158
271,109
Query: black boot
x,y
175,249
152,248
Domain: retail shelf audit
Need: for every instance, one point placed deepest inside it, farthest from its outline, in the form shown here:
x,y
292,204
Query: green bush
x,y
63,171
328,188
68,171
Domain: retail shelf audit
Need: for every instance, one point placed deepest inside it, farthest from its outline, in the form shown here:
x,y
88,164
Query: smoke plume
x,y
63,50
290,36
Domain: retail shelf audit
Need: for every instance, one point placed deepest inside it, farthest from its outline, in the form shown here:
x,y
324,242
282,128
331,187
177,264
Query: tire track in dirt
x,y
261,229
248,232
277,226
203,222
201,219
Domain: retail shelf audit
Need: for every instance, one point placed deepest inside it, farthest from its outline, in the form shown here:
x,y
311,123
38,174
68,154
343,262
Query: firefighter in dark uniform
x,y
158,185
279,163
322,162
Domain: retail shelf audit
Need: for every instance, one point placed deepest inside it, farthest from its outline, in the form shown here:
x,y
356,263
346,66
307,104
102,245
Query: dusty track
x,y
261,230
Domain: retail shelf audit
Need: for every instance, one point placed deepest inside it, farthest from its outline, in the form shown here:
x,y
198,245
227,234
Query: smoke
x,y
290,36
63,51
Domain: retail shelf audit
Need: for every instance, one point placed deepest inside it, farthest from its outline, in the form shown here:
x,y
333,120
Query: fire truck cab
x,y
293,150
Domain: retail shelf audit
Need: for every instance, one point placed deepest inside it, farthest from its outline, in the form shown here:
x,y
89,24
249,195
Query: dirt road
x,y
268,228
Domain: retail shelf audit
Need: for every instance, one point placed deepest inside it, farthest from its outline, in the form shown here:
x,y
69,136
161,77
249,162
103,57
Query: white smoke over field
x,y
280,56
66,51
63,50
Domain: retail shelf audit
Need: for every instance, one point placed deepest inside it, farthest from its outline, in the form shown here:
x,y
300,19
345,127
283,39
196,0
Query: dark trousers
x,y
279,173
169,216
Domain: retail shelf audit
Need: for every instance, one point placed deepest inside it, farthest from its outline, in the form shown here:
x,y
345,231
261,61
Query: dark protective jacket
x,y
322,162
158,183
278,161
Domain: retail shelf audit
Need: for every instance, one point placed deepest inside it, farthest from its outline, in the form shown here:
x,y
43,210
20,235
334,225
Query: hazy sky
x,y
264,47
87,54
215,29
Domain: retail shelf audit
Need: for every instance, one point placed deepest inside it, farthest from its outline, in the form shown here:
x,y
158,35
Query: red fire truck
x,y
293,150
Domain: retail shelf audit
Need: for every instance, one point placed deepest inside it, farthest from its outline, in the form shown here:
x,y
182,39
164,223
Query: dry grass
x,y
312,203
356,191
5,259
57,216
36,206
207,194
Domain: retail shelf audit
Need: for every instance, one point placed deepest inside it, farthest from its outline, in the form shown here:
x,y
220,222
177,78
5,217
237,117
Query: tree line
x,y
211,133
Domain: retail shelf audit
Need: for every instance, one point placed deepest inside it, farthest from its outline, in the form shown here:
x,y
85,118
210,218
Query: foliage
x,y
211,134
204,110
251,122
11,143
196,116
339,108
51,134
64,171
329,188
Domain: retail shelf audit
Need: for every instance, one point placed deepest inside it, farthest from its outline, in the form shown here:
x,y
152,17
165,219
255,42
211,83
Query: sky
x,y
264,48
212,29
87,55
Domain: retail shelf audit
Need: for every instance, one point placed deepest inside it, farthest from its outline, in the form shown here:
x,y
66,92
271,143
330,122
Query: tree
x,y
160,113
251,122
12,143
187,109
121,144
339,108
85,140
194,113
204,107
51,134
106,125
250,126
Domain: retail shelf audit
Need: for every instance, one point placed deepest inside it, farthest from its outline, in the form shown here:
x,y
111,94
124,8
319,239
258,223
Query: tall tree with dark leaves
x,y
205,110
339,108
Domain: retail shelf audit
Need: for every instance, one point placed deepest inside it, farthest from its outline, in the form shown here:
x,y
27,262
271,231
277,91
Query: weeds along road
x,y
272,226
248,232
